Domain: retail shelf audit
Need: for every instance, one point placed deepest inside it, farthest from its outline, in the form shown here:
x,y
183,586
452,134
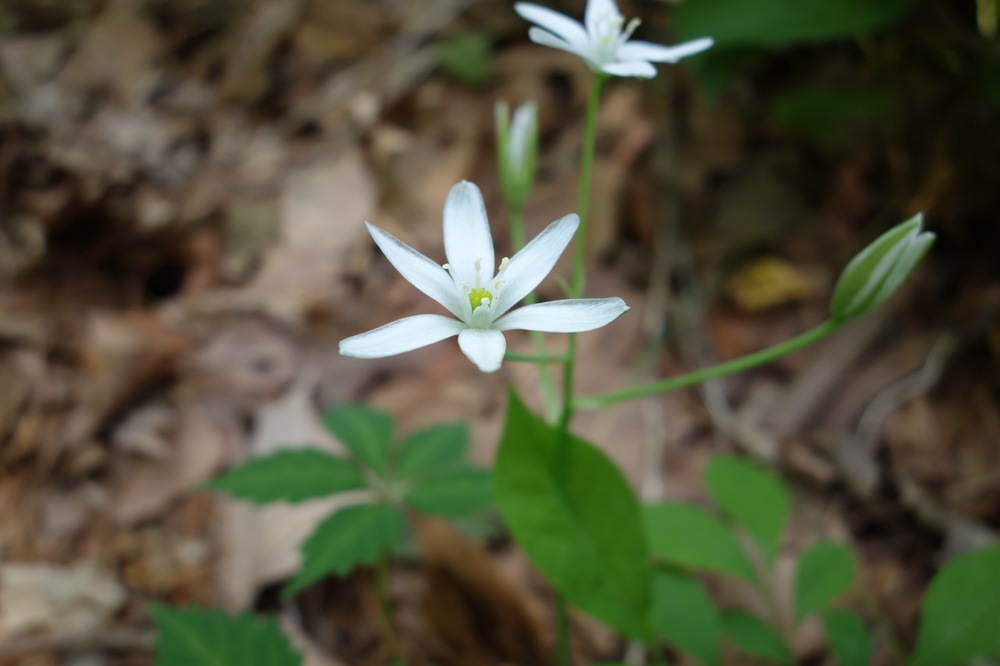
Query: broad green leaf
x,y
825,570
365,431
574,514
196,637
775,22
293,475
433,449
683,614
849,639
754,497
350,537
456,493
692,538
961,611
750,634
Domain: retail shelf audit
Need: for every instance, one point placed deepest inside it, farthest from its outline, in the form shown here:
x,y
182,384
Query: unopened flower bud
x,y
517,150
877,272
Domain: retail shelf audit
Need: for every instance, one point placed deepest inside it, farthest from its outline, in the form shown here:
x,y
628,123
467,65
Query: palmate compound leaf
x,y
453,494
365,431
961,612
431,450
292,475
349,537
684,615
755,498
692,538
576,517
825,570
848,637
197,637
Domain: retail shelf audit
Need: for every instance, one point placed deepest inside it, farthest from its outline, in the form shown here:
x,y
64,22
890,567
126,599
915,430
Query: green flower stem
x,y
583,200
534,358
730,367
547,383
382,591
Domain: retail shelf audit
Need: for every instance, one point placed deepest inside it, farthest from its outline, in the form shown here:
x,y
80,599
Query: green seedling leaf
x,y
196,637
961,611
692,538
454,494
750,634
849,640
350,537
825,570
293,475
366,432
683,614
432,450
734,23
754,497
576,517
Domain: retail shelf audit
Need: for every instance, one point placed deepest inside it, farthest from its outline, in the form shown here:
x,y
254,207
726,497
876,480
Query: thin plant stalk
x,y
382,592
697,377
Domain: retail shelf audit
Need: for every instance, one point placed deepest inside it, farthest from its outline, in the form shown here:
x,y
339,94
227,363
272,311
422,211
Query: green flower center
x,y
478,295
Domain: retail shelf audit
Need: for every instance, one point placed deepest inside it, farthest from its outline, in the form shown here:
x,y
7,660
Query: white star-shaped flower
x,y
603,39
479,299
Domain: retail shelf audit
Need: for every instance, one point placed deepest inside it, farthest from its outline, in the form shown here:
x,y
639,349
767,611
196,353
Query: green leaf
x,y
351,536
293,475
457,493
469,58
196,637
775,22
961,611
750,634
683,614
825,570
849,639
574,514
365,431
692,538
430,450
826,115
754,497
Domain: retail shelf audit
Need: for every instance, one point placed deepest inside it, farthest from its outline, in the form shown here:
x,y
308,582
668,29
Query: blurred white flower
x,y
517,150
478,298
603,39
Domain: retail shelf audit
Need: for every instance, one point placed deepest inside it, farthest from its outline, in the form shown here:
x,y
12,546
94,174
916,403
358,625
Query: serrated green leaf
x,y
350,537
453,494
292,475
574,514
365,431
197,637
684,615
754,497
750,634
692,538
849,639
825,570
774,22
961,611
432,450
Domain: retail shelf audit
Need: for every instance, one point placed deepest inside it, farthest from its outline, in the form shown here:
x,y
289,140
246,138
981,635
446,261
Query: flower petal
x,y
467,236
545,38
421,272
558,24
529,267
599,10
639,68
400,336
567,316
484,346
636,50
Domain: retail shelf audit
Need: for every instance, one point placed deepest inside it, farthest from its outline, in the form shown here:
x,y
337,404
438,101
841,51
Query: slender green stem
x,y
583,201
517,240
730,367
382,591
534,358
562,631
